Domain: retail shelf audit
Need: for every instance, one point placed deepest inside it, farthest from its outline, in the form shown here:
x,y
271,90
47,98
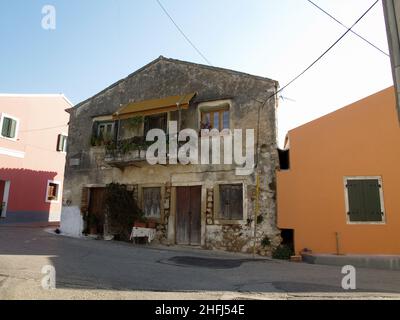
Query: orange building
x,y
341,191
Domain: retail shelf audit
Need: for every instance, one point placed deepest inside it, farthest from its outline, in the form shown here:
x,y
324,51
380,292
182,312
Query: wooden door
x,y
188,215
96,210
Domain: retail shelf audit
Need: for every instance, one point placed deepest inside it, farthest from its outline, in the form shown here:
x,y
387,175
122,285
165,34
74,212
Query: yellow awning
x,y
154,106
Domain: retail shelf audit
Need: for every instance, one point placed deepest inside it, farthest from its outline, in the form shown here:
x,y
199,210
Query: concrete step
x,y
386,262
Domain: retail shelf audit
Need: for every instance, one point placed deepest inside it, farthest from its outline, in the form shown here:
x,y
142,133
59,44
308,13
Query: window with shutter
x,y
231,201
364,202
8,127
62,143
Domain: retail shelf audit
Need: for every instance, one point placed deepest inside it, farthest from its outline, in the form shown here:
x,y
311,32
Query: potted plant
x,y
151,224
139,224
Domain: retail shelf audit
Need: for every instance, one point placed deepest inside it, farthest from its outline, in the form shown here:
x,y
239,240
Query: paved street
x,y
90,269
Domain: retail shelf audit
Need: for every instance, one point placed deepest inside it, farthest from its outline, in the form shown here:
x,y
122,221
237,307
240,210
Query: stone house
x,y
206,205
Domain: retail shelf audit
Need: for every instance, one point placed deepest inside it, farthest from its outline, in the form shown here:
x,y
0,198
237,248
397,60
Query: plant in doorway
x,y
122,210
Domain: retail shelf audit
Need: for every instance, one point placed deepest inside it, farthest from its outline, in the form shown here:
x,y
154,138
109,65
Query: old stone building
x,y
206,205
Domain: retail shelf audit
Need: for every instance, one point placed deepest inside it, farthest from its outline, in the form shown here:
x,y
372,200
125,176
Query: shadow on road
x,y
91,264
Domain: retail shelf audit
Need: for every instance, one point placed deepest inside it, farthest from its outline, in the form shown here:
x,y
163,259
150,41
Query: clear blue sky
x,y
97,42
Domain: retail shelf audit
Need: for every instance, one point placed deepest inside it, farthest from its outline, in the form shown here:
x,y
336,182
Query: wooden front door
x,y
188,215
96,210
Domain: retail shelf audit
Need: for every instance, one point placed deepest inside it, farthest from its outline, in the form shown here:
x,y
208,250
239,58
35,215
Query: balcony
x,y
126,152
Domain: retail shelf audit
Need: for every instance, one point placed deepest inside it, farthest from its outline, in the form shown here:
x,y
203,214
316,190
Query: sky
x,y
97,42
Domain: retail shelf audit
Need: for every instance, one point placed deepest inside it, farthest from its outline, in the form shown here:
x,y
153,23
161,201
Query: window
x,y
152,202
105,129
53,191
155,122
364,199
9,127
216,119
62,143
103,132
231,201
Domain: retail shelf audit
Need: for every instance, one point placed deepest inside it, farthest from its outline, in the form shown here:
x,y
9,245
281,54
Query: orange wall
x,y
362,139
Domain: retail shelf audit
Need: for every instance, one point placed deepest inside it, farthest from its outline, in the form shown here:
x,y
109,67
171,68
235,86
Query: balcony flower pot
x,y
138,224
151,225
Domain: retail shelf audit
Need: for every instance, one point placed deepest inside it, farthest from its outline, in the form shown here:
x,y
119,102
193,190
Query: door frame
x,y
173,214
6,194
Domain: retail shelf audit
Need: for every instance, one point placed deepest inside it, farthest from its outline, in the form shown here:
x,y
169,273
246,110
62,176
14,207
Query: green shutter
x,y
9,128
59,139
4,129
372,200
355,195
364,200
13,129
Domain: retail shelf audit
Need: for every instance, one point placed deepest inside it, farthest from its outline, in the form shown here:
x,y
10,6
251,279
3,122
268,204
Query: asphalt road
x,y
93,269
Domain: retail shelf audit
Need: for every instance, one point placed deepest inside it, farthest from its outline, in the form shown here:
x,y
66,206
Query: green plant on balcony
x,y
135,122
100,140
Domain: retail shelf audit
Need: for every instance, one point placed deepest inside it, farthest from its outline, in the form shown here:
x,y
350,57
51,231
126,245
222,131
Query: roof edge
x,y
37,95
162,58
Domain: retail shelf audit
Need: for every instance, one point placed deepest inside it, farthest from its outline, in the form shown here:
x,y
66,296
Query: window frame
x,y
64,146
217,106
159,219
58,183
347,204
105,123
5,115
217,214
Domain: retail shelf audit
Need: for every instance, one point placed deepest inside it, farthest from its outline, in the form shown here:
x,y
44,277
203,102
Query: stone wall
x,y
167,77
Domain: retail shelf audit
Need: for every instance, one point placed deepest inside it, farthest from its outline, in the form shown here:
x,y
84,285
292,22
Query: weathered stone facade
x,y
86,165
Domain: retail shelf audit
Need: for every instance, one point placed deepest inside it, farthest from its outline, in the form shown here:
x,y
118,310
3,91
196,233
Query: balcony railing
x,y
126,152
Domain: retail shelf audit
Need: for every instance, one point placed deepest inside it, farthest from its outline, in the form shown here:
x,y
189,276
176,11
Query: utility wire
x,y
43,129
183,33
306,69
352,31
322,55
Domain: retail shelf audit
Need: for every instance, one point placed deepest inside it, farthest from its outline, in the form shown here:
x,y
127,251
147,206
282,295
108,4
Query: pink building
x,y
33,137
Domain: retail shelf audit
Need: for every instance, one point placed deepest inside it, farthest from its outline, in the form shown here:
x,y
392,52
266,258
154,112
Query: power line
x,y
308,68
323,54
43,129
183,34
352,31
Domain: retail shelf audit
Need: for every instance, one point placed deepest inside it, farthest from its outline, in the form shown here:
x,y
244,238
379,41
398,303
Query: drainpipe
x,y
178,104
337,243
257,208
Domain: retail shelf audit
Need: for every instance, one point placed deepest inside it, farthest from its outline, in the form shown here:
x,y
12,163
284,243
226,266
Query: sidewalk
x,y
384,262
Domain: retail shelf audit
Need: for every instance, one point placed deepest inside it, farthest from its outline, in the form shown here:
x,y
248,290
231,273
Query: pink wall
x,y
34,159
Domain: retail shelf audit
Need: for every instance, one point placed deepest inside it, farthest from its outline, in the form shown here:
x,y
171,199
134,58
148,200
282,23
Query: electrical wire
x,y
43,129
276,93
183,33
352,31
323,54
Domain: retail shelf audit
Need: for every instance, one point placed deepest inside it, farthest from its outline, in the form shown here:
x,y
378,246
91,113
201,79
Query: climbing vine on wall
x,y
122,210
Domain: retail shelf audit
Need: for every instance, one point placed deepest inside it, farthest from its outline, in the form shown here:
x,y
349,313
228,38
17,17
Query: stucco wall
x,y
41,118
361,139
